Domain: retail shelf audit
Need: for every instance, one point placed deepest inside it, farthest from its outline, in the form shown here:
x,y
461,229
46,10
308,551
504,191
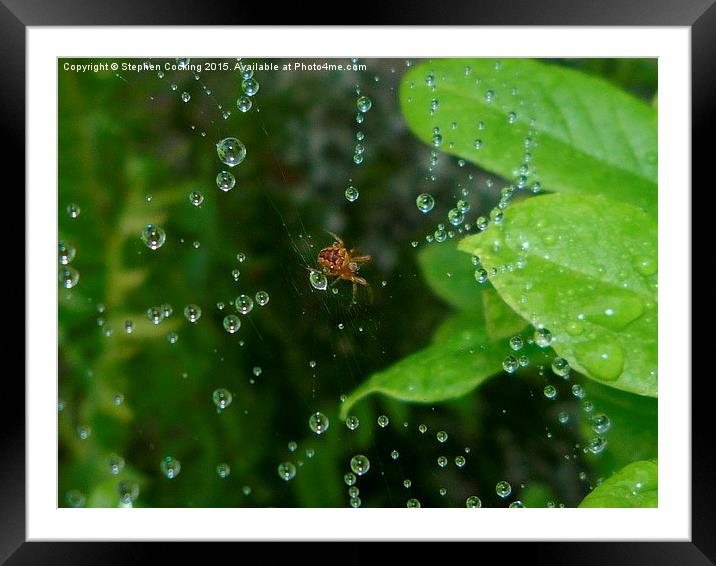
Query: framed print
x,y
359,283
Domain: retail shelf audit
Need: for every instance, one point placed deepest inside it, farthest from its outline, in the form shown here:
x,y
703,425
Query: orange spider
x,y
339,262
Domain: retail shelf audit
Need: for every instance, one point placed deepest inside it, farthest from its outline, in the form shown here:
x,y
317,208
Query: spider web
x,y
333,345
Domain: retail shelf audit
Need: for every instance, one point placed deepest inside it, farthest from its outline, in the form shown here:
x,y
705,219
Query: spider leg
x,y
361,258
360,281
370,291
336,237
355,292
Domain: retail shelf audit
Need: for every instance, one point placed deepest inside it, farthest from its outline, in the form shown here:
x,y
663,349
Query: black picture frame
x,y
699,15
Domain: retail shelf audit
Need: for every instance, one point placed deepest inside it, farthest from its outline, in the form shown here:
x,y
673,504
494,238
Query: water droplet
x,y
153,236
292,446
423,429
360,464
128,492
516,504
364,104
442,436
318,280
413,504
250,86
619,311
244,103
407,483
560,367
192,313
383,421
516,343
511,118
232,323
73,210
185,96
352,194
244,304
460,461
225,181
115,463
286,471
600,423
596,445
394,455
550,391
503,489
196,198
602,359
578,391
496,215
262,298
231,151
172,337
352,422
68,276
563,417
318,423
223,470
455,217
222,398
155,315
542,337
442,461
646,265
170,467
65,252
473,502
481,275
510,364
349,478
489,96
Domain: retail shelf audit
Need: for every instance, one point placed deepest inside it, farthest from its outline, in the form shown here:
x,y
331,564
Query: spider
x,y
339,262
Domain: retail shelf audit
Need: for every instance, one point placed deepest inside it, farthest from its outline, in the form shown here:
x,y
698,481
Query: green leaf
x,y
636,485
590,137
451,276
592,283
633,429
500,320
449,368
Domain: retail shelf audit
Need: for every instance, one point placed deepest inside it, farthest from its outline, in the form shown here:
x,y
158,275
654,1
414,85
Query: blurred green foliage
x,y
130,152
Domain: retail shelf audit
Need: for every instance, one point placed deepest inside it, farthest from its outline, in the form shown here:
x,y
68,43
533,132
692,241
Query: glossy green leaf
x,y
451,276
586,269
449,368
589,136
635,485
